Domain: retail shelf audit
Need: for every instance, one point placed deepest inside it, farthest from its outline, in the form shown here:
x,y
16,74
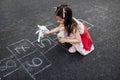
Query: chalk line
x,y
16,42
86,22
34,64
50,48
21,41
22,65
6,58
43,47
27,55
11,72
42,69
49,25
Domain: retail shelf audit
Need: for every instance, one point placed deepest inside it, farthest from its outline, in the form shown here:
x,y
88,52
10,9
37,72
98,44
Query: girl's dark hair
x,y
65,13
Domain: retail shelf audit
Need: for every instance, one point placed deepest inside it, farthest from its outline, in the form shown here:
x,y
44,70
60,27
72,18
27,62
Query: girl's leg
x,y
81,50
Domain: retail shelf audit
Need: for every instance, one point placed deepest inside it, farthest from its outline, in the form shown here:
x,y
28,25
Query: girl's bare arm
x,y
57,29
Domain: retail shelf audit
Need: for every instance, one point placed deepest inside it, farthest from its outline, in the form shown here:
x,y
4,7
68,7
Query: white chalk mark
x,y
42,45
22,47
27,55
63,47
59,44
33,60
3,68
49,24
17,48
45,40
11,51
55,38
52,40
7,58
49,49
35,64
21,41
8,64
16,42
32,76
42,69
39,46
11,72
25,68
19,60
86,22
34,41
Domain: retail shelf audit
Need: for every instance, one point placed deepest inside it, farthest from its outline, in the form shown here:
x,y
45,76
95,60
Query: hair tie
x,y
63,13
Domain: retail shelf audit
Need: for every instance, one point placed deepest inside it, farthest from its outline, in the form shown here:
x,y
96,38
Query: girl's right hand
x,y
47,32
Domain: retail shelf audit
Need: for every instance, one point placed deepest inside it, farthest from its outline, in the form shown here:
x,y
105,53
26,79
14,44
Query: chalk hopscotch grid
x,y
12,70
35,50
33,53
21,41
59,44
54,44
33,42
8,47
25,56
45,66
84,21
32,76
7,60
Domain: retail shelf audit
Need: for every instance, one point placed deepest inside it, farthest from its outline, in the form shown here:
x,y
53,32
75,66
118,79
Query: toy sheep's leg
x,y
39,37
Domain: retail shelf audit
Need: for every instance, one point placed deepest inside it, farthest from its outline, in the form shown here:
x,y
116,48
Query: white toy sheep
x,y
40,31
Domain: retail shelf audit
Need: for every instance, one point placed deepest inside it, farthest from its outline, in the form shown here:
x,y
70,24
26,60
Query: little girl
x,y
72,31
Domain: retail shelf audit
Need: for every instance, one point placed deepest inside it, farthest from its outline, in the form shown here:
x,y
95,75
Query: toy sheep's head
x,y
42,28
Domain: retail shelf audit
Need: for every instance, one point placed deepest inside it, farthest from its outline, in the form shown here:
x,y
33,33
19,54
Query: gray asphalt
x,y
19,20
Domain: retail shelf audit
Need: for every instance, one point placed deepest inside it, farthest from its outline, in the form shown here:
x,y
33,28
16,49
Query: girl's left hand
x,y
62,40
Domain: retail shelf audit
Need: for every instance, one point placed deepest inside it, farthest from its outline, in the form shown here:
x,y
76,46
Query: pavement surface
x,y
23,58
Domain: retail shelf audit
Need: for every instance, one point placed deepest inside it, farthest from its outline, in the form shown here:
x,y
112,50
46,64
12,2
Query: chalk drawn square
x,y
8,65
86,23
21,48
51,26
53,37
35,63
44,45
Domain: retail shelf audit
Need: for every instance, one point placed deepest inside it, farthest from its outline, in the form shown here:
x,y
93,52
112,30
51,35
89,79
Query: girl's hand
x,y
47,32
62,40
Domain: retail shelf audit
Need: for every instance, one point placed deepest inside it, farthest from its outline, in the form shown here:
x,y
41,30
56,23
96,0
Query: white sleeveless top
x,y
81,26
62,32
